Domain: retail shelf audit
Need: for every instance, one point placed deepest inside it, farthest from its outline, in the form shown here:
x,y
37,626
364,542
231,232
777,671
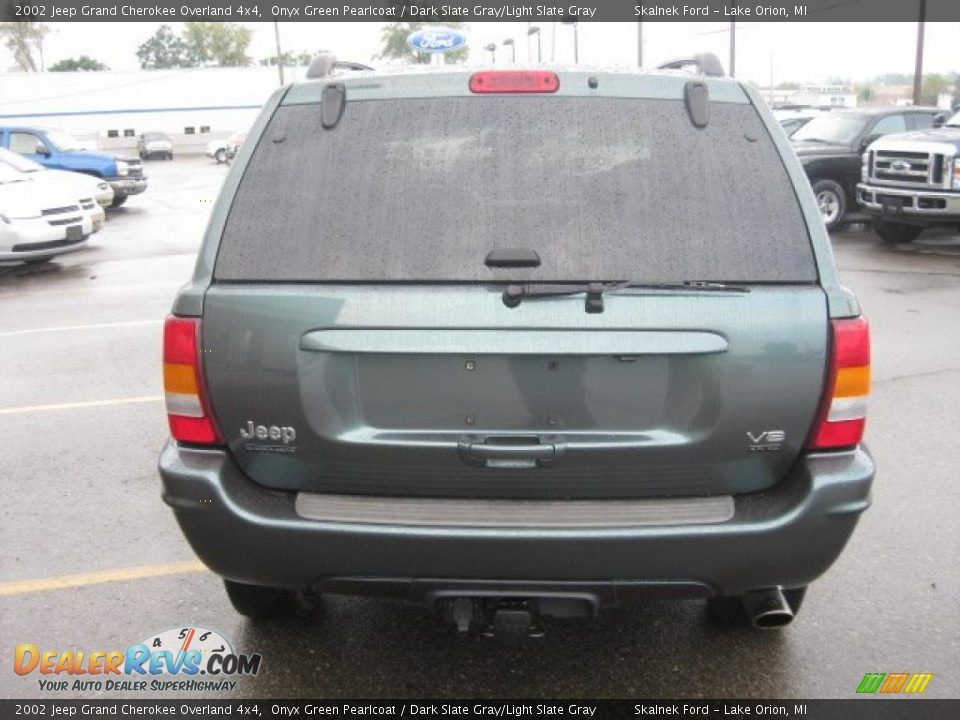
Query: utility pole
x,y
918,69
733,49
770,99
276,36
639,44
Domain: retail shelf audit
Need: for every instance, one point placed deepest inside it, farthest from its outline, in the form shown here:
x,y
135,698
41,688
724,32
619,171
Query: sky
x,y
791,52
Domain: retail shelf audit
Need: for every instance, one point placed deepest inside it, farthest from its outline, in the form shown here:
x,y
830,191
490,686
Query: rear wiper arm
x,y
514,294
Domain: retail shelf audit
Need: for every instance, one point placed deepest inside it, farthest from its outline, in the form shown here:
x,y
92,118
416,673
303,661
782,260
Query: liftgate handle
x,y
493,453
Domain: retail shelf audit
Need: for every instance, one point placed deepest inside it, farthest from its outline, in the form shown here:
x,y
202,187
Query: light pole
x,y
918,68
576,41
492,49
639,44
534,30
733,43
513,50
276,36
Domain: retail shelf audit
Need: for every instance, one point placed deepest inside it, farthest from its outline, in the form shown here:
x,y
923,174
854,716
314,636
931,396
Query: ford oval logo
x,y
436,40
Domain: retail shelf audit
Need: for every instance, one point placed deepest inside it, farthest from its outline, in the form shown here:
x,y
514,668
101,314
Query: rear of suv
x,y
516,343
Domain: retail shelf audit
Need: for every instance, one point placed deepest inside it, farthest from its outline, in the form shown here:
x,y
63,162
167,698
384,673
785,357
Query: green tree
x,y
864,92
78,63
931,88
164,49
217,43
393,38
21,39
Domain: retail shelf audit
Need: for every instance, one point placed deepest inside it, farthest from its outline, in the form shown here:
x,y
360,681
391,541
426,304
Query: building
x,y
108,110
825,96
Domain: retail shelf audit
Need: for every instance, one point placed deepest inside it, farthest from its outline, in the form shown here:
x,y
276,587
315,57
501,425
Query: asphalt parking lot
x,y
82,420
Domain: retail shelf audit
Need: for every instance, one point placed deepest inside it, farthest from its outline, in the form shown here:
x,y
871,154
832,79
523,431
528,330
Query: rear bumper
x,y
918,207
788,536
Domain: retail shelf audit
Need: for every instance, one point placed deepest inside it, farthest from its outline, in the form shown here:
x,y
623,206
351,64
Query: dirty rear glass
x,y
600,188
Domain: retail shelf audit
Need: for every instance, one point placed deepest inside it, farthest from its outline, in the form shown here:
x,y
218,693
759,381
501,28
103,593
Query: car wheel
x,y
831,201
260,602
896,232
220,156
730,610
118,200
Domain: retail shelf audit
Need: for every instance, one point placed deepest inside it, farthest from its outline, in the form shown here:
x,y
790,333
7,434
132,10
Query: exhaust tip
x,y
767,609
772,620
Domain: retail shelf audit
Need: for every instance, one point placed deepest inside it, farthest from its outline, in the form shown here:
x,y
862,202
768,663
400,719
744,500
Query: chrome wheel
x,y
829,204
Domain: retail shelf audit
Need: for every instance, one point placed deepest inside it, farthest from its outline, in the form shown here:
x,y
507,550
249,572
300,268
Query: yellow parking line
x,y
87,403
66,582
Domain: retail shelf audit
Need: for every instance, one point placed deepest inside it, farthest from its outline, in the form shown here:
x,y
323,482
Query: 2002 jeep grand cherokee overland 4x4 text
x,y
512,344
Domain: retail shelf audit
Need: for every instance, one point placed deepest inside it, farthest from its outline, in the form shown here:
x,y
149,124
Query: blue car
x,y
57,150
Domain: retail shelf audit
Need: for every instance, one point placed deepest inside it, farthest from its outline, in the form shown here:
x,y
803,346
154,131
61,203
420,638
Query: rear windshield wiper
x,y
513,295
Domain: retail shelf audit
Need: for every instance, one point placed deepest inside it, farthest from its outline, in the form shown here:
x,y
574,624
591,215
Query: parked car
x,y
224,149
540,396
793,120
81,184
58,151
912,182
830,148
37,220
155,144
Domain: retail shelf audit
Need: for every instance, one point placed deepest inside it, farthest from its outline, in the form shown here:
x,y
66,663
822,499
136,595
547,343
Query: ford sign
x,y
436,40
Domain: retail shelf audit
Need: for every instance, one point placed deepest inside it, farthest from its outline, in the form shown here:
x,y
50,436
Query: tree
x,y
864,92
393,36
21,39
933,85
165,49
79,63
222,44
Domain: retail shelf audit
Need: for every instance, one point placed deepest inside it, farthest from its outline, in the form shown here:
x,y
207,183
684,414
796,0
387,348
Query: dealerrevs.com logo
x,y
179,659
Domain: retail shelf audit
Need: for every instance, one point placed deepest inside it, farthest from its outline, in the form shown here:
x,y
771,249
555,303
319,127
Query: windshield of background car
x,y
833,129
18,162
64,142
600,188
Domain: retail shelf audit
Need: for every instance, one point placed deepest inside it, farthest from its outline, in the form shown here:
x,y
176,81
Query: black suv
x,y
830,148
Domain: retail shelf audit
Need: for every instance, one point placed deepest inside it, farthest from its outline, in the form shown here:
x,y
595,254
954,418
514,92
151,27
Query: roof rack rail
x,y
705,63
325,63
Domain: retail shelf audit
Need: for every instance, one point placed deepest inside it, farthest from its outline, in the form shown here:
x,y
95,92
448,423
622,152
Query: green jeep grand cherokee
x,y
517,343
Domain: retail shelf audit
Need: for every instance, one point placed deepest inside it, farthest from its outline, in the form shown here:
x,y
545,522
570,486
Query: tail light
x,y
188,410
514,81
843,413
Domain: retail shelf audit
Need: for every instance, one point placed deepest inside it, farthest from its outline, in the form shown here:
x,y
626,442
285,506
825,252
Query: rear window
x,y
601,188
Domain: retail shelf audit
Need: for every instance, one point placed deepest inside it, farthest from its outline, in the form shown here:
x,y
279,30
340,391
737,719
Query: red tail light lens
x,y
514,81
843,413
188,411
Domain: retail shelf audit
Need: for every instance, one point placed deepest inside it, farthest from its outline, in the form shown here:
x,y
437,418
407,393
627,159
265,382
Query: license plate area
x,y
75,233
892,205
